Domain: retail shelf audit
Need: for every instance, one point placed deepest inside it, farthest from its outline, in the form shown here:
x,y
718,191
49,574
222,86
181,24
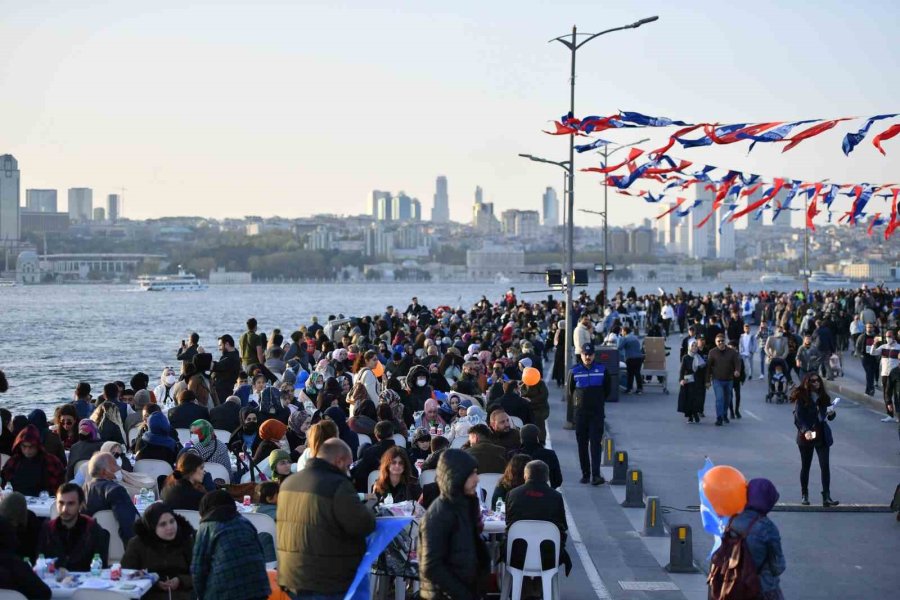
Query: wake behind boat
x,y
182,282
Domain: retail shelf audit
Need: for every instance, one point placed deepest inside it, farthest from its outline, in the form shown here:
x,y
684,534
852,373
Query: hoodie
x,y
763,539
31,476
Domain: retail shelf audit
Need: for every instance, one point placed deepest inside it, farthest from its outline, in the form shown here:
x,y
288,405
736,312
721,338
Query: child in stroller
x,y
779,381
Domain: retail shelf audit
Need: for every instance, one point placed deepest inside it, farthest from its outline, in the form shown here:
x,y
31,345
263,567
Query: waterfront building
x,y
440,211
9,199
493,262
81,204
99,214
114,207
40,200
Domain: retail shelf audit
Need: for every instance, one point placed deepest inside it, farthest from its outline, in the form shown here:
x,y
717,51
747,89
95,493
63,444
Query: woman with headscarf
x,y
31,470
208,446
762,536
108,418
163,543
398,411
157,442
693,384
163,392
15,574
272,433
18,423
88,443
246,437
66,420
280,464
6,435
14,508
339,418
52,444
332,395
310,393
460,428
131,481
298,424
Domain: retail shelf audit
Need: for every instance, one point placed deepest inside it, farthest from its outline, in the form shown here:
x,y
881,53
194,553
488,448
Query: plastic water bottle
x,y
500,509
145,496
96,566
40,567
389,499
7,489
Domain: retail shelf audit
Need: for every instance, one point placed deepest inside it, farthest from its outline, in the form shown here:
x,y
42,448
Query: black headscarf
x,y
217,506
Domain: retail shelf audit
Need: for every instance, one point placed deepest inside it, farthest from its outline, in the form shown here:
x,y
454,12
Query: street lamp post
x,y
571,42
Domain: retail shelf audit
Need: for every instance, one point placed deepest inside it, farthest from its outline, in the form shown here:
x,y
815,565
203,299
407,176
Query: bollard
x,y
620,468
608,453
681,554
653,526
634,490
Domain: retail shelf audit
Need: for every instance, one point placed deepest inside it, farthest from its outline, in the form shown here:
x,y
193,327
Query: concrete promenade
x,y
829,554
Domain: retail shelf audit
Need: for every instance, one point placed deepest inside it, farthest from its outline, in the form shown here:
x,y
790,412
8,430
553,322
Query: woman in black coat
x,y
812,411
163,543
184,487
692,377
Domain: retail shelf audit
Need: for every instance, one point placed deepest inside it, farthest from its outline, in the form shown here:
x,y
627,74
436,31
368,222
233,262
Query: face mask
x,y
171,379
119,475
195,439
319,386
510,355
421,382
119,462
84,437
250,427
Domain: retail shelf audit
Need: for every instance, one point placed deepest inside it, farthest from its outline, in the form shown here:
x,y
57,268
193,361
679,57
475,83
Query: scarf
x,y
89,427
158,431
296,421
698,362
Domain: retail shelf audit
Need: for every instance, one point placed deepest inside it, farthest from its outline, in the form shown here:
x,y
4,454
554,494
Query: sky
x,y
292,108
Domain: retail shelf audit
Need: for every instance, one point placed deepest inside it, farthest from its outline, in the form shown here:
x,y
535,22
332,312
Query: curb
x,y
847,392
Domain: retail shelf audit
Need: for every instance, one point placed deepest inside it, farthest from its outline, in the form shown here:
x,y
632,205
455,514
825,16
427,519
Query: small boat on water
x,y
7,283
776,278
827,279
182,282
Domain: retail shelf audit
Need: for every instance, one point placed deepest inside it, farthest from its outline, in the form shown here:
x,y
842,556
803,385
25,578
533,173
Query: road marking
x,y
648,586
590,570
747,412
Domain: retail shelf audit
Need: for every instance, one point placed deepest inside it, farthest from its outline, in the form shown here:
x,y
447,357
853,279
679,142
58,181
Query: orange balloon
x,y
379,369
531,376
726,489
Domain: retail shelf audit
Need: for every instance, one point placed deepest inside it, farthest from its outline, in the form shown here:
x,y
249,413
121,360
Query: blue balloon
x,y
302,376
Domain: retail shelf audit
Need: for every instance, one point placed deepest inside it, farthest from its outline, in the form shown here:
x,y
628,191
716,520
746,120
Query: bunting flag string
x,y
715,133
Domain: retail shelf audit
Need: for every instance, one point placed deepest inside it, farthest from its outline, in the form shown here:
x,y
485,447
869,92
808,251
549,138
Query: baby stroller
x,y
779,381
834,367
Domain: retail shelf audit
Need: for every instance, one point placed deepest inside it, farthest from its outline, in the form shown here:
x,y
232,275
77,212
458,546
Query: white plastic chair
x,y
516,422
152,467
222,435
192,516
458,442
373,477
184,436
488,482
533,533
81,465
132,435
263,523
427,476
107,520
364,441
3,459
400,440
217,471
11,594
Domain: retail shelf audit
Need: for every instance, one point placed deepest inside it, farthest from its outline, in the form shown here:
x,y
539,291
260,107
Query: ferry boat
x,y
7,282
776,278
183,282
827,279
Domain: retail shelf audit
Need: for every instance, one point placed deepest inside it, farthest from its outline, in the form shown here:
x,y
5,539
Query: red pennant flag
x,y
671,142
561,129
890,132
812,211
677,204
889,231
872,223
736,136
811,132
779,183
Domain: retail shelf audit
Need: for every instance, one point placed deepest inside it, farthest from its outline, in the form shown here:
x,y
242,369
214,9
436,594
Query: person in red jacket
x,y
31,470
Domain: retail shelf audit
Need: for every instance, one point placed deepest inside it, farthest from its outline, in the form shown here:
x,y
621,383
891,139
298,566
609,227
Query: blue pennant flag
x,y
851,140
386,529
712,523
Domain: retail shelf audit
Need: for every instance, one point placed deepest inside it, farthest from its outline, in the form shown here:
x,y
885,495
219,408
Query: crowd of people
x,y
305,421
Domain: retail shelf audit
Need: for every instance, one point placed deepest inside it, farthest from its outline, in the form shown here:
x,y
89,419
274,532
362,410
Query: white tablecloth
x,y
132,588
41,508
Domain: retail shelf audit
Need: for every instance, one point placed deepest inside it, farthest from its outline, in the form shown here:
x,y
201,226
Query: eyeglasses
x,y
815,381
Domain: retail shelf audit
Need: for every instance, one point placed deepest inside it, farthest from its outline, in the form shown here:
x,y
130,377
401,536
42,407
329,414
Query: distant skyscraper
x,y
699,240
403,207
40,200
114,207
377,200
724,234
479,195
754,224
551,208
81,204
440,211
9,198
99,214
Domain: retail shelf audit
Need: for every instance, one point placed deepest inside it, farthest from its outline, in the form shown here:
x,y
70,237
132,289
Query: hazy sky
x,y
296,107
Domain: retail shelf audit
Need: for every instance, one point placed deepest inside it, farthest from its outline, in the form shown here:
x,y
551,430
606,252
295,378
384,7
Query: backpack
x,y
732,574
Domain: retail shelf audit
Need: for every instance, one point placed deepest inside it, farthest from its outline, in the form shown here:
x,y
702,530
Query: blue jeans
x,y
722,388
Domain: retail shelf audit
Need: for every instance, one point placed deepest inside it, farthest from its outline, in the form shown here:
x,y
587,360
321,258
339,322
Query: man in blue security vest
x,y
589,387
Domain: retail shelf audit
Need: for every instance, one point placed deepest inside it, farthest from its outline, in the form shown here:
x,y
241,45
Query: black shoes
x,y
737,414
597,480
584,479
804,498
718,422
726,419
827,501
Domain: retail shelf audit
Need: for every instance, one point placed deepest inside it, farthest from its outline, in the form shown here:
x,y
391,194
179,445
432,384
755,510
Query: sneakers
x,y
584,479
639,392
597,480
762,376
887,419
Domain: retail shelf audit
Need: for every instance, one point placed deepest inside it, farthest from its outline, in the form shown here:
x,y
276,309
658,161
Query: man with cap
x,y
589,387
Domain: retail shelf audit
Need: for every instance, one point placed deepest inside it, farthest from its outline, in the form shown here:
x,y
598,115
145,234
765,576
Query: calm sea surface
x,y
53,336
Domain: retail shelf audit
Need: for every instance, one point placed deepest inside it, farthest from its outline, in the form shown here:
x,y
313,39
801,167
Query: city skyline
x,y
169,135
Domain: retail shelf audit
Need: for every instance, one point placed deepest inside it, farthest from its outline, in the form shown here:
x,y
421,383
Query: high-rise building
x,y
666,228
641,241
99,214
753,224
9,198
40,201
378,242
483,218
700,245
479,195
551,208
440,211
81,204
618,242
508,221
724,234
378,200
114,207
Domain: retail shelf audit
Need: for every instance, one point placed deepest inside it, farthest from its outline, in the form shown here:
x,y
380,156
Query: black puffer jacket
x,y
167,559
451,553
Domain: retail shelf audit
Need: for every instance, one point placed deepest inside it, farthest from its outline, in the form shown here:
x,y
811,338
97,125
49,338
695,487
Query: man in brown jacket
x,y
490,457
321,525
723,366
